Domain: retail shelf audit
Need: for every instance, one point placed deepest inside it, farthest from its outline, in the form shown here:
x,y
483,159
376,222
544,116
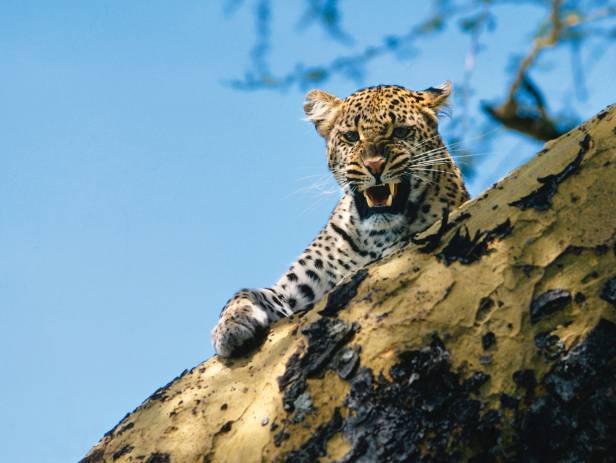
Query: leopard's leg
x,y
245,319
335,253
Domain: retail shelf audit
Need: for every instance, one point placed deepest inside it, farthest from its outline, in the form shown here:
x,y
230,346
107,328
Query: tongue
x,y
378,195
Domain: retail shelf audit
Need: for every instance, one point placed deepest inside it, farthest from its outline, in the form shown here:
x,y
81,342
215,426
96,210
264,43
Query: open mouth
x,y
381,195
386,198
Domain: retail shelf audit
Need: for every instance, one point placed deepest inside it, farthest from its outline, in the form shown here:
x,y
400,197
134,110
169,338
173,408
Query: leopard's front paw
x,y
242,327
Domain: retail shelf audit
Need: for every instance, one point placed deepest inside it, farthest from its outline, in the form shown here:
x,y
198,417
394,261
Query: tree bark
x,y
491,338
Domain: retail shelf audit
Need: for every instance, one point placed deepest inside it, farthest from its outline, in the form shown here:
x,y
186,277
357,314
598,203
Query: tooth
x,y
393,189
368,200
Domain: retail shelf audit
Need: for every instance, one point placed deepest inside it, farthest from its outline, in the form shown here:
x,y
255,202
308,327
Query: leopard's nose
x,y
375,165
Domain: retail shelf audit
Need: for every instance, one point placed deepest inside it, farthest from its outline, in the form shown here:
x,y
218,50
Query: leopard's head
x,y
376,139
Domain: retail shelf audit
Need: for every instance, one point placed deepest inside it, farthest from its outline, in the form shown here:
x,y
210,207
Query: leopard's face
x,y
378,141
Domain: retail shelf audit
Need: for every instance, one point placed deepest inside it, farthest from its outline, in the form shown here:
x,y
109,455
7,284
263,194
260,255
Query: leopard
x,y
397,179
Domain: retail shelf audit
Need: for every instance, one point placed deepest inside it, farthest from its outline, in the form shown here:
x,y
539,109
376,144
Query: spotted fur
x,y
376,136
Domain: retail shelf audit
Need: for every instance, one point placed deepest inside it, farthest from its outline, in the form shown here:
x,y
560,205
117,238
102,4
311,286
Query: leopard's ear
x,y
436,97
321,109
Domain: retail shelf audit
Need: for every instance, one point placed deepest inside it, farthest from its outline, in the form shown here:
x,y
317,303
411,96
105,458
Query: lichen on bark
x,y
491,338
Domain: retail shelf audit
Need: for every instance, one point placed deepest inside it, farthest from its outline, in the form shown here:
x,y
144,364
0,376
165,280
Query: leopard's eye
x,y
401,132
351,136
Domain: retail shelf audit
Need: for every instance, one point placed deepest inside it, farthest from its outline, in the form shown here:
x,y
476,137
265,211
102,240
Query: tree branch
x,y
461,350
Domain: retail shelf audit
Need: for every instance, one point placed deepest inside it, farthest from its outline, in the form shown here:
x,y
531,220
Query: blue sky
x,y
138,192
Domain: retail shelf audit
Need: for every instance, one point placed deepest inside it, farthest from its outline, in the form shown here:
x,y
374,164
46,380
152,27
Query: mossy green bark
x,y
471,328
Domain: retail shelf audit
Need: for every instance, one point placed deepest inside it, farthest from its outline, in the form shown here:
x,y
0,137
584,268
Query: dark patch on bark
x,y
579,298
112,430
462,217
341,296
602,114
424,414
576,419
125,428
429,243
485,304
466,249
527,269
123,451
161,392
548,303
527,380
158,457
593,275
293,381
345,362
95,457
476,380
549,345
541,198
509,401
280,437
608,292
225,428
488,340
485,359
576,372
315,447
325,337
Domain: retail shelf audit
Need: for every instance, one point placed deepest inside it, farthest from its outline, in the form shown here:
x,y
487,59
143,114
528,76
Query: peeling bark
x,y
491,338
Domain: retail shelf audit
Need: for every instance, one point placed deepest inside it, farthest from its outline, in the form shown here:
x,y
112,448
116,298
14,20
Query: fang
x,y
368,199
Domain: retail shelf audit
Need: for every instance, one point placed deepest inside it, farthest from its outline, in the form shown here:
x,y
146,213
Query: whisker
x,y
453,174
305,177
323,185
451,146
485,153
427,140
443,149
449,158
